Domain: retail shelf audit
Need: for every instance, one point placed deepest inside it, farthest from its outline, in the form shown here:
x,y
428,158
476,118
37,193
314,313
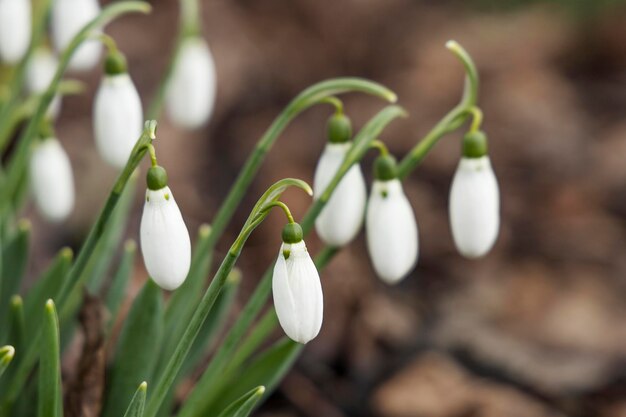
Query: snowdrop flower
x,y
15,29
392,237
296,288
68,18
165,242
191,93
118,116
474,199
51,179
342,217
39,74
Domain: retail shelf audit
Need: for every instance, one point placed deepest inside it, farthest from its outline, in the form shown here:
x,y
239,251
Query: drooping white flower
x,y
68,18
118,118
392,237
297,292
52,181
342,217
15,29
39,74
474,207
191,93
165,242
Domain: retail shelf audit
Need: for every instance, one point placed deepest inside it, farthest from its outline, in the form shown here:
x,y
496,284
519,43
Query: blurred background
x,y
537,327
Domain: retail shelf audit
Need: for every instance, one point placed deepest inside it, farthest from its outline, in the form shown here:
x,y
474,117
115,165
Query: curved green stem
x,y
335,102
258,214
108,42
17,165
380,146
284,208
153,158
451,121
478,118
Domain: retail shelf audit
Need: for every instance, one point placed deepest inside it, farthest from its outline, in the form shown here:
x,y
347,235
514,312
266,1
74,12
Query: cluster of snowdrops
x,y
341,204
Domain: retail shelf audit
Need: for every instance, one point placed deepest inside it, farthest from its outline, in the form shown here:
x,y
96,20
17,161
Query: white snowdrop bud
x,y
51,180
68,18
297,289
39,75
342,217
118,117
392,237
15,29
191,93
474,199
165,242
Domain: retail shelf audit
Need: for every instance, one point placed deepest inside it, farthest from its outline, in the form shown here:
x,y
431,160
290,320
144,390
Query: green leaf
x,y
117,290
138,403
16,323
109,243
267,369
50,366
243,406
6,356
46,287
14,256
137,349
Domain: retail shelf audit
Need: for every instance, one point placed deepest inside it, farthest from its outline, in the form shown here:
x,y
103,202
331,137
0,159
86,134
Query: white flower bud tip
x,y
15,29
191,93
342,217
165,242
297,292
52,181
474,207
392,237
118,119
68,18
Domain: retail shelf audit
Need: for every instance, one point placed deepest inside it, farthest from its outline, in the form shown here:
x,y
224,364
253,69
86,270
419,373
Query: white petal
x,y
39,74
342,217
297,292
165,243
474,207
392,237
15,29
118,119
68,18
52,181
191,93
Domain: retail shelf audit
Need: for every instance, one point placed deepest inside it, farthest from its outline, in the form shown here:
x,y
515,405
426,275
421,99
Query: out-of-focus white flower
x,y
68,18
52,181
191,93
392,237
342,217
165,242
296,288
118,118
15,29
474,207
297,292
39,75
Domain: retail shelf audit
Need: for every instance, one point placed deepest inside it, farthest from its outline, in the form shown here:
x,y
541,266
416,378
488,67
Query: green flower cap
x,y
475,144
156,178
115,63
339,128
385,168
292,233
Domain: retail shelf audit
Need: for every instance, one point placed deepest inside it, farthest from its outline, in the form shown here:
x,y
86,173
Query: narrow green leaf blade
x,y
6,356
50,365
14,256
117,290
137,349
138,403
243,406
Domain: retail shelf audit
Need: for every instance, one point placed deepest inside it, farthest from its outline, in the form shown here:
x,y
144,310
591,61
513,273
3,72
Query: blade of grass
x,y
6,356
243,406
117,290
138,403
49,366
